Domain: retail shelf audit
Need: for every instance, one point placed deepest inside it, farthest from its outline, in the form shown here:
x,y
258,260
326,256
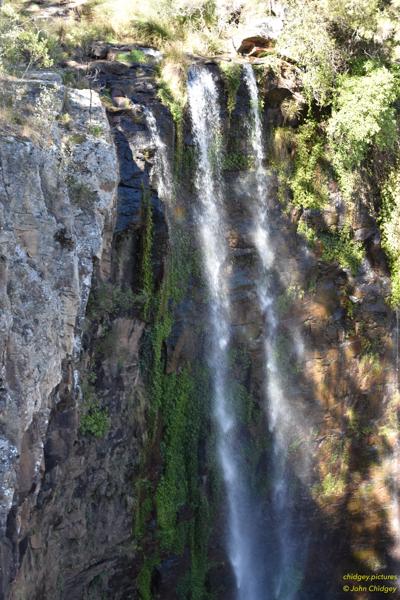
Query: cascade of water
x,y
211,224
395,466
162,163
278,408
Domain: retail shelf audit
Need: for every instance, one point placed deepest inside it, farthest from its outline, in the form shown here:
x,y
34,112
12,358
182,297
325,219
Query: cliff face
x,y
57,199
110,484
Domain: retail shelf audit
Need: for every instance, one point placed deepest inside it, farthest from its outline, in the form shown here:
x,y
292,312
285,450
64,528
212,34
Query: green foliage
x,y
28,48
144,506
169,100
309,181
307,39
358,18
108,299
236,161
307,232
134,56
290,109
390,228
177,415
94,420
22,45
231,75
172,491
144,579
286,300
96,130
340,247
151,31
363,116
332,485
147,255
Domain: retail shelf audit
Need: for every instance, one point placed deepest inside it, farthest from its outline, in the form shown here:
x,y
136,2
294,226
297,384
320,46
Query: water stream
x,y
279,411
162,163
263,561
211,224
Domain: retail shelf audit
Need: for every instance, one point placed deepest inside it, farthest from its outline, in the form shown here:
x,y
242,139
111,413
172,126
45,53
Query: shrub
x,y
290,109
307,40
94,420
151,32
340,247
309,182
22,45
363,116
231,74
390,229
307,232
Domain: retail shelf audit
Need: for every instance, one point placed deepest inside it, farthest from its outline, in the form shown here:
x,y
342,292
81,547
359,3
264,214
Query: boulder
x,y
258,37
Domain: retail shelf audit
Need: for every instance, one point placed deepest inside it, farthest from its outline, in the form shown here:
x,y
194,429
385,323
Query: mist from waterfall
x,y
242,521
281,414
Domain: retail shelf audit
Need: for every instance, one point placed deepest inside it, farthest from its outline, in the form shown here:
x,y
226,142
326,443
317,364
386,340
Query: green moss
x,y
286,300
339,246
96,130
171,101
144,579
147,255
144,506
231,74
172,491
176,421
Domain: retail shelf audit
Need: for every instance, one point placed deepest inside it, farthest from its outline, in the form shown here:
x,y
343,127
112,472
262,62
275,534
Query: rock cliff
x,y
58,191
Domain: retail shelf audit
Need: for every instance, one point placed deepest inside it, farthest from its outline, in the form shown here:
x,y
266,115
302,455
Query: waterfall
x,y
282,423
162,164
211,226
395,460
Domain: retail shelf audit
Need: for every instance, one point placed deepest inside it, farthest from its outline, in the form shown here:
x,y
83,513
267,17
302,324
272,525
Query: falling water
x,y
395,466
279,411
211,224
162,163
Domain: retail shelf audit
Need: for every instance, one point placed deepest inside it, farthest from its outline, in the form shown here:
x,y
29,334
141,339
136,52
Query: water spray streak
x,y
162,163
211,224
279,410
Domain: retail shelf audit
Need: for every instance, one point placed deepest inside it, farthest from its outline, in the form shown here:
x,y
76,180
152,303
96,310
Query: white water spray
x,y
282,424
211,224
162,163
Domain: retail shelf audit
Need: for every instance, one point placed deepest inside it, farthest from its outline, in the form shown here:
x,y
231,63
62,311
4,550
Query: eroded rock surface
x,y
57,193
